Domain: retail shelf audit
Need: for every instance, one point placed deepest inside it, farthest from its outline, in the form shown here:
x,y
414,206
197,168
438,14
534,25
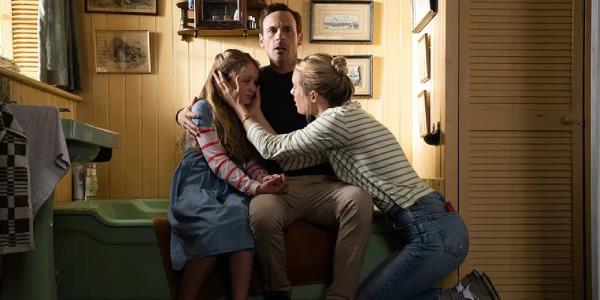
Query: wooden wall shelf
x,y
219,18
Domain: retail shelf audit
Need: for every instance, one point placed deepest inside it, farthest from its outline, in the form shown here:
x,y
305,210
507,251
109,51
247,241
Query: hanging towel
x,y
47,152
16,218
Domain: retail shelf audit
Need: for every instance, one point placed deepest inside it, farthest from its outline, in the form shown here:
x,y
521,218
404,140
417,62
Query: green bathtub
x,y
106,249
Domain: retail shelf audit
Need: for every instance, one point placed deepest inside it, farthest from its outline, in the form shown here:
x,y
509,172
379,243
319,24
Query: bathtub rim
x,y
95,209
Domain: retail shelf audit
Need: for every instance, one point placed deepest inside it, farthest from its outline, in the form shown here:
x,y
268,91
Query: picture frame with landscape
x,y
360,71
135,7
341,21
122,51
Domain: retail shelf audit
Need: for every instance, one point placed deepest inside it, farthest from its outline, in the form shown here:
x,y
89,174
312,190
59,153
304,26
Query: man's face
x,y
280,37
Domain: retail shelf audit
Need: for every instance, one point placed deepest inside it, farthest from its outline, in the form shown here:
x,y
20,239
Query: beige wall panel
x,y
181,75
6,44
116,122
15,91
98,106
405,84
391,115
199,67
427,159
375,105
149,119
133,135
86,60
142,107
116,119
166,124
132,114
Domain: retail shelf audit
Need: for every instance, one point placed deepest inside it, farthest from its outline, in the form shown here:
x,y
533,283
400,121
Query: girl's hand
x,y
276,184
269,177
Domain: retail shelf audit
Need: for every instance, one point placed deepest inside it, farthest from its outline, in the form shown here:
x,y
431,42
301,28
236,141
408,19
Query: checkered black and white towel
x,y
16,222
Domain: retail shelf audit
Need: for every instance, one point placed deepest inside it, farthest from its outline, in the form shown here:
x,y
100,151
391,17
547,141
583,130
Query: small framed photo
x,y
122,51
341,21
424,60
423,111
422,12
360,71
136,7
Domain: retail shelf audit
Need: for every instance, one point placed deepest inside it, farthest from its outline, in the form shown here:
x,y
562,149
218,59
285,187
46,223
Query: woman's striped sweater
x,y
361,151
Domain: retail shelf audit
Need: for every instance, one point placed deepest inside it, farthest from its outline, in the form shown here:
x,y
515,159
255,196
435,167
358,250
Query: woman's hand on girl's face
x,y
228,92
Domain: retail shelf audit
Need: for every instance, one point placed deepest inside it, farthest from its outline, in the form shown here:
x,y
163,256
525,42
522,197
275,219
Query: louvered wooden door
x,y
521,139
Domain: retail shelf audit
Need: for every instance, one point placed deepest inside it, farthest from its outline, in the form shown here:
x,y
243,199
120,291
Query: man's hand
x,y
273,184
184,118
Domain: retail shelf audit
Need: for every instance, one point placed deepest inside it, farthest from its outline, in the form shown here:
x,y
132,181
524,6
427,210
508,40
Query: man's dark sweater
x,y
277,104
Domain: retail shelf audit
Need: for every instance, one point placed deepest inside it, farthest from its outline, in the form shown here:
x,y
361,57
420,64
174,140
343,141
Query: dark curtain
x,y
59,65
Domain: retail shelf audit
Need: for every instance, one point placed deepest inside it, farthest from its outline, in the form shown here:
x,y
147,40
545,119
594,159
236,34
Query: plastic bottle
x,y
78,181
91,182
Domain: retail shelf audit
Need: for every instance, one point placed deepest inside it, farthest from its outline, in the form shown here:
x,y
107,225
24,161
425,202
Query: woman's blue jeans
x,y
435,243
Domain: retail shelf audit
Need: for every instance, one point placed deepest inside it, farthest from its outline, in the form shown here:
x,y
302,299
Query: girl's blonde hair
x,y
328,76
229,129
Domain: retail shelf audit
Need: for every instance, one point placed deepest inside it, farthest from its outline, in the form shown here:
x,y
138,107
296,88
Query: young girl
x,y
364,153
208,211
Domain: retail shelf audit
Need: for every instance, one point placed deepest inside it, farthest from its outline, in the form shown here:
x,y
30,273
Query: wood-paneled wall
x,y
428,160
142,106
5,33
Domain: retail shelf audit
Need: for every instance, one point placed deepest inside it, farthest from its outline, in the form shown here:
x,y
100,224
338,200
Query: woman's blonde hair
x,y
229,129
328,76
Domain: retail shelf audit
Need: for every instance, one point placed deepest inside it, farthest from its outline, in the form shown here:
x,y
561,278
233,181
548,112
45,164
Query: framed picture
x,y
424,60
422,12
341,21
423,111
122,51
139,7
360,71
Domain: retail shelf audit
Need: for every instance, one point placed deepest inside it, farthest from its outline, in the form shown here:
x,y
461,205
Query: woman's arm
x,y
301,162
325,133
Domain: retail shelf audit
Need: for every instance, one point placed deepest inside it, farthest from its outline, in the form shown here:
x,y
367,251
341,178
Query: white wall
x,y
595,143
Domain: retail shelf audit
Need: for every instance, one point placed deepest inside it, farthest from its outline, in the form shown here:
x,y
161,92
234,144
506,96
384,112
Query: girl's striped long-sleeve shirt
x,y
218,160
361,151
